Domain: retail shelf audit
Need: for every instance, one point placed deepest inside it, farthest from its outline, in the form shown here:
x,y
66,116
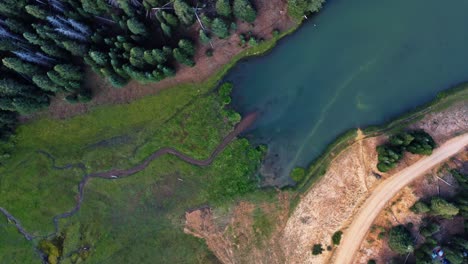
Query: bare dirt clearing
x,y
241,239
385,191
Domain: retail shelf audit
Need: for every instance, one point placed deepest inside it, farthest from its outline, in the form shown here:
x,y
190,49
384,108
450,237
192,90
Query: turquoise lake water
x,y
356,63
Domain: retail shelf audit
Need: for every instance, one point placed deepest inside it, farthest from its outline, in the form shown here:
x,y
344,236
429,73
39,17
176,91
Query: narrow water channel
x,y
355,64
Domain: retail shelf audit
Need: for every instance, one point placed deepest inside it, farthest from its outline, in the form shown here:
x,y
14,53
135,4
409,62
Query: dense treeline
x,y
435,211
416,142
45,45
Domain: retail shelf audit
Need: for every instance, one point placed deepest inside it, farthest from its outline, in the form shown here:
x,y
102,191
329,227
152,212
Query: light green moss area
x,y
138,219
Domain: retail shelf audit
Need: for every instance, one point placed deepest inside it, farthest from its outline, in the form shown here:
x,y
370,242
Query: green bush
x,y
420,207
297,174
336,238
317,249
429,229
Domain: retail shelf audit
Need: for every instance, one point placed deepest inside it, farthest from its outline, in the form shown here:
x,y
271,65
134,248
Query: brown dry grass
x,y
236,241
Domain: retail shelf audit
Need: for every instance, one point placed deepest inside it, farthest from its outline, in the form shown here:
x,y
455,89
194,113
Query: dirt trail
x,y
379,197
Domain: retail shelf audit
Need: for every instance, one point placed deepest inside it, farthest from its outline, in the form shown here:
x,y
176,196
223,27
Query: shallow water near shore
x,y
356,63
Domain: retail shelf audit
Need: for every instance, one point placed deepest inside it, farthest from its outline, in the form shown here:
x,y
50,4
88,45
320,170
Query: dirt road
x,y
379,197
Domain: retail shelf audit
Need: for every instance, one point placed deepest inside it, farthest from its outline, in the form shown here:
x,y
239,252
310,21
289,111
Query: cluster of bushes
x,y
45,45
53,249
416,142
298,8
436,210
224,93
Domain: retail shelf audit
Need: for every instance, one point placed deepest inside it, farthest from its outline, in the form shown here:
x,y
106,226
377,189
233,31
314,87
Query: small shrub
x,y
297,174
336,238
317,249
209,52
420,208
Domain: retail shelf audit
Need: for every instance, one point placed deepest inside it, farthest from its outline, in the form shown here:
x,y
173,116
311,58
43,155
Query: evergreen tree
x,y
182,57
136,27
170,19
69,72
187,46
400,240
99,57
137,57
21,67
75,48
57,79
36,11
27,105
43,82
12,87
204,38
184,12
443,208
243,10
223,8
166,29
219,28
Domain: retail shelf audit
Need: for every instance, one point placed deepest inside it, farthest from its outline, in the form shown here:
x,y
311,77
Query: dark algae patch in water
x,y
355,64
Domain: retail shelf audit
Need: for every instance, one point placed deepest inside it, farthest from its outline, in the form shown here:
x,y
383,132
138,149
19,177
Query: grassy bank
x,y
442,101
319,166
137,219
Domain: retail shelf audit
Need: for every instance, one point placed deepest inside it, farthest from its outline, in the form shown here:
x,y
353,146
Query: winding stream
x,y
356,63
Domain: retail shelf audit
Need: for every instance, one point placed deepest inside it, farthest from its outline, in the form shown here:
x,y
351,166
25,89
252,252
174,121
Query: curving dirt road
x,y
379,197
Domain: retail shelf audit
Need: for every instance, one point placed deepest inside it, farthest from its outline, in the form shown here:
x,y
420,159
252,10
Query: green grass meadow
x,y
138,219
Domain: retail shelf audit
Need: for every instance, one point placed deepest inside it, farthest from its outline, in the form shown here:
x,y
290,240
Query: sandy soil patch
x,y
331,204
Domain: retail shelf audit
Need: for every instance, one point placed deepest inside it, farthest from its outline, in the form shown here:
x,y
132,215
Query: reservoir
x,y
355,64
